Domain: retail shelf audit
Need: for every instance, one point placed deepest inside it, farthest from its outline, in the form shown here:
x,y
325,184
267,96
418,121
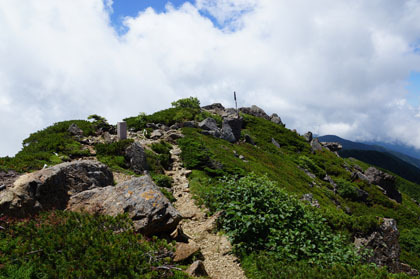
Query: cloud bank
x,y
330,66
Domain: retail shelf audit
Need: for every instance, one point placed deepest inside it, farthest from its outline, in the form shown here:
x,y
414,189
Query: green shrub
x,y
113,154
346,189
73,245
194,154
191,103
99,122
258,215
162,180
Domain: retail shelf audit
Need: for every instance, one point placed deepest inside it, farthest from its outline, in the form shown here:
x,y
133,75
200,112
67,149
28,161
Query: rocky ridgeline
x,y
87,185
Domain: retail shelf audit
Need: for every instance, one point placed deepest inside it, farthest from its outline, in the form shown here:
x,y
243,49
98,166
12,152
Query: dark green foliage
x,y
306,163
191,103
163,149
265,266
410,244
72,245
99,122
194,154
168,194
162,180
40,147
346,189
112,154
258,215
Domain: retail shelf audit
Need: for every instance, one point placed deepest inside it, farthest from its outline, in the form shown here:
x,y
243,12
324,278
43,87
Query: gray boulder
x,y
208,124
276,144
136,157
140,198
231,129
215,106
255,111
52,187
385,181
309,198
156,134
276,119
308,136
74,130
316,145
189,124
249,140
332,146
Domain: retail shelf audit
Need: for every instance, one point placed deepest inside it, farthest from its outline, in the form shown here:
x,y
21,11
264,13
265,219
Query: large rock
x,y
231,128
276,119
135,155
215,106
316,145
140,198
74,130
385,246
208,124
332,146
52,187
308,136
385,181
255,111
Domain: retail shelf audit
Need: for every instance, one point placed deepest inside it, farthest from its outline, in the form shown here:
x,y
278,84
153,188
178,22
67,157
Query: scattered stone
x,y
51,188
385,246
74,130
214,133
316,146
179,236
183,251
140,198
2,187
135,155
385,181
152,126
215,106
276,144
173,135
189,124
327,178
308,136
310,199
174,127
107,137
7,178
156,134
162,127
241,157
197,269
249,140
122,130
230,112
255,111
358,175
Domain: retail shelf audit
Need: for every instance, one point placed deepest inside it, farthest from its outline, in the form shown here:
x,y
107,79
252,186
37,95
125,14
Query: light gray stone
x,y
122,130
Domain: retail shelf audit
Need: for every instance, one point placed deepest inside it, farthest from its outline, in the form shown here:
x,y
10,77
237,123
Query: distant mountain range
x,y
390,159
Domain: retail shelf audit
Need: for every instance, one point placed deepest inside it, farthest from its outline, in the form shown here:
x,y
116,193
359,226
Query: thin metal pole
x,y
236,103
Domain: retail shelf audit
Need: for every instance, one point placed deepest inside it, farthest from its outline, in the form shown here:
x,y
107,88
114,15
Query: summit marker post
x,y
236,103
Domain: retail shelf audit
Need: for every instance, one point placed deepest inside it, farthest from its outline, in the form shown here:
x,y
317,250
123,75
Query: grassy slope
x,y
281,165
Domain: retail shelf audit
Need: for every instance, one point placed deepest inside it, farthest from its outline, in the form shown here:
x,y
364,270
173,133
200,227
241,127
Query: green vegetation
x,y
71,245
50,146
113,154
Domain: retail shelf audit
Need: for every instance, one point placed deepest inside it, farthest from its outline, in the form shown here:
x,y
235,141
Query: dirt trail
x,y
219,262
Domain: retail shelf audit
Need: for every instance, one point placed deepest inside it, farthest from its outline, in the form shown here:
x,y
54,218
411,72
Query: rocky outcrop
x,y
7,178
385,181
308,136
276,119
74,130
140,198
52,187
156,134
231,129
309,198
215,106
197,269
316,145
332,146
136,157
386,248
255,111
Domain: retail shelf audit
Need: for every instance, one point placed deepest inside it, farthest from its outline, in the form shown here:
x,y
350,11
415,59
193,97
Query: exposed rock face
x,y
384,180
7,179
140,198
308,136
276,119
208,124
332,146
136,157
52,187
385,246
316,145
255,111
74,130
156,134
215,106
231,129
184,251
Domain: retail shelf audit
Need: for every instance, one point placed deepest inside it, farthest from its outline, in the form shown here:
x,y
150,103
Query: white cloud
x,y
333,66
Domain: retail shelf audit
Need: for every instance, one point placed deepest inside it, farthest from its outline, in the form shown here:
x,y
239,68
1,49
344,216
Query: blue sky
x,y
414,89
123,8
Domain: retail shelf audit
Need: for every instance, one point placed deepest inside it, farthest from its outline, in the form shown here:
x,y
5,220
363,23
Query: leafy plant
x,y
191,103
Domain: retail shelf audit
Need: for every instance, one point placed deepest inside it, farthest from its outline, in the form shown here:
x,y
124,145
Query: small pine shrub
x,y
162,180
346,189
73,245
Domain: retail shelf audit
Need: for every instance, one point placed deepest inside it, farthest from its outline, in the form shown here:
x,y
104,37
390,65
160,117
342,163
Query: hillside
x,y
237,196
398,163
